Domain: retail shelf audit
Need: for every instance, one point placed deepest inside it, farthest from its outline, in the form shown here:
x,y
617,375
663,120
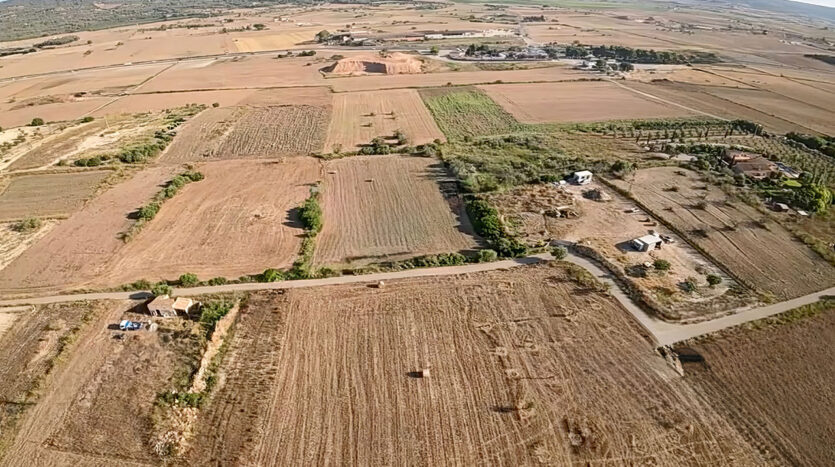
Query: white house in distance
x,y
582,177
647,242
167,307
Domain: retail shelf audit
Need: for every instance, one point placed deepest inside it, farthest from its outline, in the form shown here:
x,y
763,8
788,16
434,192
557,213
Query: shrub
x,y
689,285
487,256
216,104
37,121
29,224
217,281
559,252
661,265
87,119
714,279
188,280
311,215
486,222
161,288
271,275
148,211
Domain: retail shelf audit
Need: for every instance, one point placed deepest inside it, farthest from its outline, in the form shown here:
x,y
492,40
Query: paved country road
x,y
662,332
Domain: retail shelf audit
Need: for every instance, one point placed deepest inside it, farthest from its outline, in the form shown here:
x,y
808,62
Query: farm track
x,y
663,333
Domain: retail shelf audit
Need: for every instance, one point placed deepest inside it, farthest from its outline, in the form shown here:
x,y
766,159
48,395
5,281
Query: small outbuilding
x,y
647,242
582,177
167,307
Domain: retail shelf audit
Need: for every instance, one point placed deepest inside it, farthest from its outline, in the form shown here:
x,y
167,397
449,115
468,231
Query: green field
x,y
467,112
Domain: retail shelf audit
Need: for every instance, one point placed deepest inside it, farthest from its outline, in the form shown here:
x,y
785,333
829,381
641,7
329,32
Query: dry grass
x,y
359,117
48,195
524,368
577,102
768,382
239,220
388,207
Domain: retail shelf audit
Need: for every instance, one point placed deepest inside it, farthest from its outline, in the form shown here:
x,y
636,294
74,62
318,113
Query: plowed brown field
x,y
525,368
236,221
388,207
774,384
760,252
577,102
359,117
48,195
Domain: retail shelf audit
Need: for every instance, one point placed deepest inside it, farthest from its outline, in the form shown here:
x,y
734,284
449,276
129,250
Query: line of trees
x,y
824,144
628,54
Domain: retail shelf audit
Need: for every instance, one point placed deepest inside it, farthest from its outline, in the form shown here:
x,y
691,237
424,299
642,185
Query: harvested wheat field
x,y
521,367
239,220
359,117
29,348
48,195
759,252
395,63
97,407
388,207
265,125
577,102
75,252
773,382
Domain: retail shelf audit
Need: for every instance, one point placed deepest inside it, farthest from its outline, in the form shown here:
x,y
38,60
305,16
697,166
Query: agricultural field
x,y
762,254
387,208
75,252
577,102
359,117
466,112
522,366
766,378
32,339
48,195
239,220
276,126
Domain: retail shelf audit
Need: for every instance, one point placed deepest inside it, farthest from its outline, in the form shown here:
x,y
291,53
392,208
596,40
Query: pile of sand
x,y
390,64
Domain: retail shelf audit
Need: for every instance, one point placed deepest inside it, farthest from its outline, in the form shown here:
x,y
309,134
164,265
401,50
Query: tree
x,y
322,36
434,50
661,265
714,280
259,27
37,121
161,288
188,280
559,252
216,104
625,66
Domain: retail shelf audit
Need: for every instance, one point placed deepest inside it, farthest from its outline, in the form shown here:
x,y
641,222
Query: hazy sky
x,y
830,3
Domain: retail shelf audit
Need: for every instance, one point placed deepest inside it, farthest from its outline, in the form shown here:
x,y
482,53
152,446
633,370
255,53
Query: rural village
x,y
571,232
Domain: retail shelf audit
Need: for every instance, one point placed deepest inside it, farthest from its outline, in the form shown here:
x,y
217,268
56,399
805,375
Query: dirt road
x,y
663,333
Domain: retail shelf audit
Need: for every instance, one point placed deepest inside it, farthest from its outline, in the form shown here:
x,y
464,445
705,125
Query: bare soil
x,y
389,207
520,366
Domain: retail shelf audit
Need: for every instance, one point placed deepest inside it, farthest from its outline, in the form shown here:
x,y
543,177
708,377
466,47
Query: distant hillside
x,y
797,8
